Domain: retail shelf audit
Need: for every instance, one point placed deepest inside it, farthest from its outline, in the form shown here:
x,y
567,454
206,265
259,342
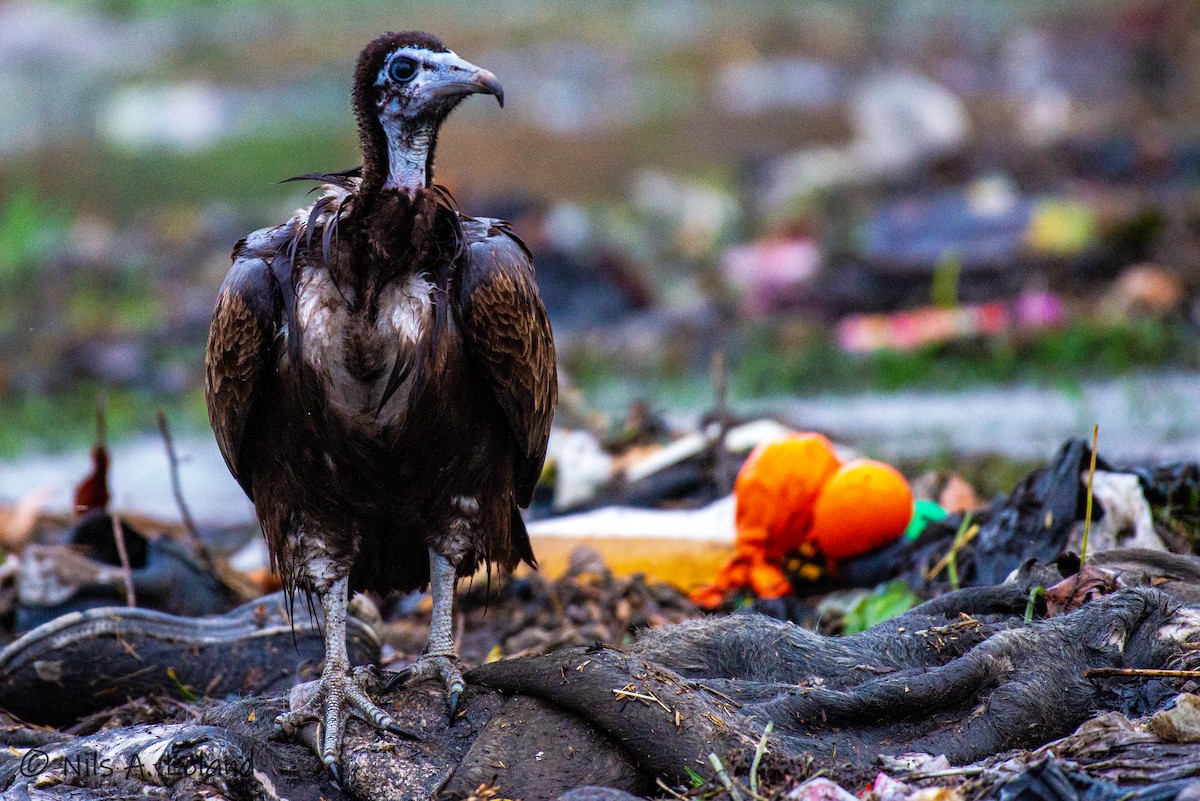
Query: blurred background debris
x,y
843,198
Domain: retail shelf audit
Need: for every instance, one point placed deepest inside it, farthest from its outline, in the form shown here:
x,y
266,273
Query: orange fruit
x,y
864,505
776,488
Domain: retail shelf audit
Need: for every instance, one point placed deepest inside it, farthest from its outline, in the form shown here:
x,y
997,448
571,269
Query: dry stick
x,y
966,770
964,536
952,557
1148,673
1087,516
660,783
193,534
720,382
123,554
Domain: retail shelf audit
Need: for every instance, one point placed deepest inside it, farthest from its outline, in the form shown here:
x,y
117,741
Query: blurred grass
x,y
67,420
1069,355
30,229
121,185
761,366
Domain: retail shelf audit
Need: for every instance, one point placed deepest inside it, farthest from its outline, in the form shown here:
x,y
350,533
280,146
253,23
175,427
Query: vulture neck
x,y
397,156
397,208
409,156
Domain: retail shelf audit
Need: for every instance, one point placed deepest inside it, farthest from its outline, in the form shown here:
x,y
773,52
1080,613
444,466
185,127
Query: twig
x,y
720,694
192,711
966,532
758,755
123,555
967,770
680,796
193,534
723,775
1087,515
184,690
952,561
720,382
627,693
1148,673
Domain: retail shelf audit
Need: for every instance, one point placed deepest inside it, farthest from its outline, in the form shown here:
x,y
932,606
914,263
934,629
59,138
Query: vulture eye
x,y
402,70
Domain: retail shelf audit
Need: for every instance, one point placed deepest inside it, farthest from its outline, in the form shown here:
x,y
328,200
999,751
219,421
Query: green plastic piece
x,y
924,512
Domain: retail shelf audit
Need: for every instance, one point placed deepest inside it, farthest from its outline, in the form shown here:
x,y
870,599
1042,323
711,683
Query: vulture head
x,y
406,84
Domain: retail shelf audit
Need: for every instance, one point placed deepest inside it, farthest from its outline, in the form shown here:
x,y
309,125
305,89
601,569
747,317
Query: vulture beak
x,y
460,77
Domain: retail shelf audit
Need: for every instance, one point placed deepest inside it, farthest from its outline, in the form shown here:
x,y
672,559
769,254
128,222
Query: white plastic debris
x,y
712,523
581,466
1127,522
738,439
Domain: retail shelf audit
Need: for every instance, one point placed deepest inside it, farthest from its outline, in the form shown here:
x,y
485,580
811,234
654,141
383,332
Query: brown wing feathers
x,y
240,350
508,334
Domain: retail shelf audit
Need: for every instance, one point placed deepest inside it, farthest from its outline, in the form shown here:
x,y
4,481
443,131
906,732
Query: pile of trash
x,y
533,614
910,642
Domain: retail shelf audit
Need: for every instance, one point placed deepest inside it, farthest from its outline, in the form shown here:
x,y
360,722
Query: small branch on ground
x,y
193,533
123,554
723,775
722,469
1148,673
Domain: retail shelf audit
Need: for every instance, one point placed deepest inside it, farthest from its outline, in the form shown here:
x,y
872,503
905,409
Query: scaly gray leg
x,y
341,693
439,658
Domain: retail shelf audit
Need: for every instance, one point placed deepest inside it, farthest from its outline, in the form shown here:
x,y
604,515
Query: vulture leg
x,y
341,692
439,658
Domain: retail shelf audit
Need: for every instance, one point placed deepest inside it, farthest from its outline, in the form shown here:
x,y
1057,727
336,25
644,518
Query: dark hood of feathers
x,y
370,132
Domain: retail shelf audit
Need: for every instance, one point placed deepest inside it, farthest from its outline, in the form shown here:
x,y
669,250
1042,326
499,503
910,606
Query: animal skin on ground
x,y
950,685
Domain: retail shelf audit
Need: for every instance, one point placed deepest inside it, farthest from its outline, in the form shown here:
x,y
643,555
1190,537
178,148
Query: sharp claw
x,y
336,773
397,678
394,728
454,698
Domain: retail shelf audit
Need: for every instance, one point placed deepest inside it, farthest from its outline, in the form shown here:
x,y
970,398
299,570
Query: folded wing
x,y
508,336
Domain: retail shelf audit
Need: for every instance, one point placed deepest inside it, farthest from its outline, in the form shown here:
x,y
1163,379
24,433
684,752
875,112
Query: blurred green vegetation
x,y
67,420
886,602
30,230
1079,350
761,366
121,184
161,197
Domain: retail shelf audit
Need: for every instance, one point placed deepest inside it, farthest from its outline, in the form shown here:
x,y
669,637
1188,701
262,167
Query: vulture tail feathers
x,y
520,538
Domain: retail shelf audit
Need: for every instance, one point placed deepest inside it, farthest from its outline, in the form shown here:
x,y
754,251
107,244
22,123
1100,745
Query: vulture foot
x,y
439,659
340,694
440,665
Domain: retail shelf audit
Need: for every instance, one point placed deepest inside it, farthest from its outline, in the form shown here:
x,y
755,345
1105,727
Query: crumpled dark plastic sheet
x,y
1033,522
1054,780
1037,517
